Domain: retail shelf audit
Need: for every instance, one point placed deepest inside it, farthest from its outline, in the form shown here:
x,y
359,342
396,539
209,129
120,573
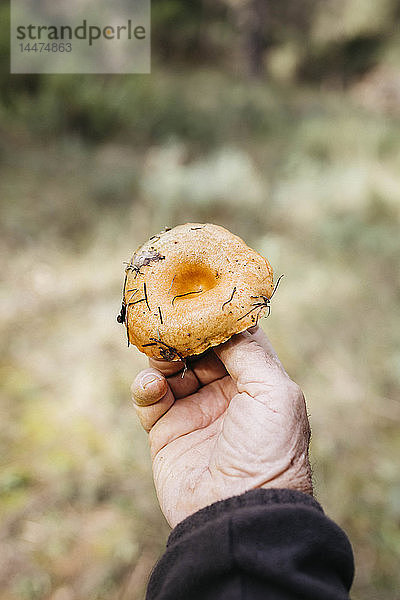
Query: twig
x,y
169,356
145,295
230,299
186,294
136,302
172,282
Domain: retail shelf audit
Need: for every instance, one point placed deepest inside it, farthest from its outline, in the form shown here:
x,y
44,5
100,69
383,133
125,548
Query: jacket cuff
x,y
259,497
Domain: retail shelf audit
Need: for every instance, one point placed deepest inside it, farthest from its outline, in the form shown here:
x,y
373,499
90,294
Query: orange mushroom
x,y
193,287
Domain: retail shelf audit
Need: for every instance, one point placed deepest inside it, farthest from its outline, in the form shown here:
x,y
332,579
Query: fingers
x,y
201,371
184,386
208,368
248,357
180,386
152,397
166,367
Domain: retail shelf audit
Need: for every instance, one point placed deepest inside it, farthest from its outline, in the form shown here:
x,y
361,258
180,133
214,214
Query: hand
x,y
235,422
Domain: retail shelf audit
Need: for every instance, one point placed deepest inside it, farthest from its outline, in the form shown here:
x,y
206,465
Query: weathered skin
x,y
191,288
235,422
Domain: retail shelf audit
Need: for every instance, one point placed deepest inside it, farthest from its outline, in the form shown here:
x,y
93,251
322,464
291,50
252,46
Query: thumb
x,y
252,362
267,418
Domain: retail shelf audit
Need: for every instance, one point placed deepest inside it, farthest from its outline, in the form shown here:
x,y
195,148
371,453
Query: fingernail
x,y
149,379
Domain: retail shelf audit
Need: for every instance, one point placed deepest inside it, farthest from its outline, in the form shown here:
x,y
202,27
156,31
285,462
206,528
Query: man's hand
x,y
235,422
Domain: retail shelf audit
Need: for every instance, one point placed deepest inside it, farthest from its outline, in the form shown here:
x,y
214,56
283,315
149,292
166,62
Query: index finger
x,y
207,367
166,367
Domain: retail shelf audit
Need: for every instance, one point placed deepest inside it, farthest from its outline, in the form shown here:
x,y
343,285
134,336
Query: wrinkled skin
x,y
235,422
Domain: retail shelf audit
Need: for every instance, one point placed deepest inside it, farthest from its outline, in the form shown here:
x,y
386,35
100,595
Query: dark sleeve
x,y
269,544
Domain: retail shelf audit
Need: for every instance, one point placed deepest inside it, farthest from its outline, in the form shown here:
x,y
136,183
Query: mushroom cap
x,y
193,287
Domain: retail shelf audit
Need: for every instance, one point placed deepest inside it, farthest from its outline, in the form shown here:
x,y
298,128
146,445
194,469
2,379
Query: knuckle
x,y
295,391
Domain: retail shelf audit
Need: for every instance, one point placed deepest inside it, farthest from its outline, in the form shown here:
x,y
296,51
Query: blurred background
x,y
279,121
